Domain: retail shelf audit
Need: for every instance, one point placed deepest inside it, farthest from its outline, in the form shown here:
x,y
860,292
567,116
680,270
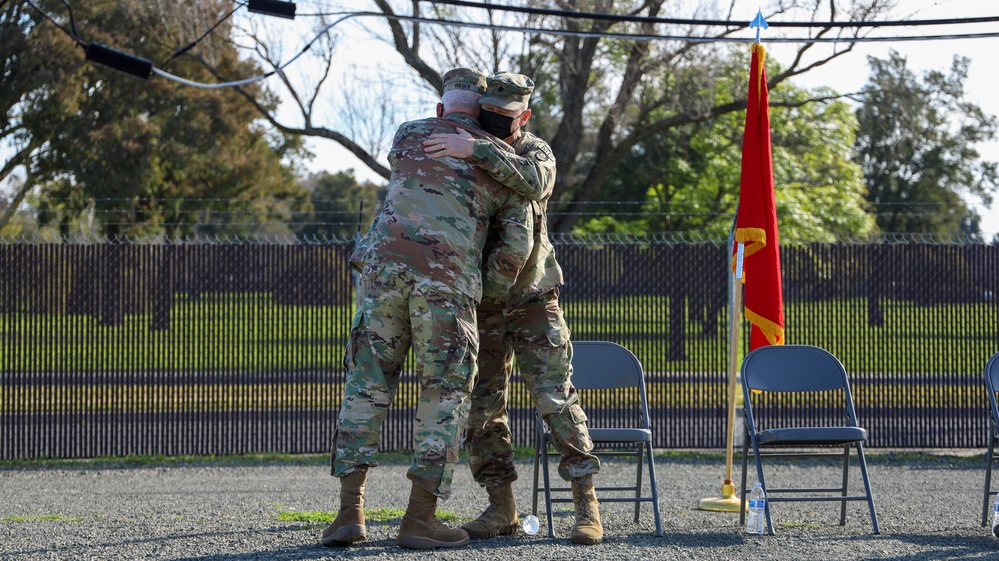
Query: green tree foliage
x,y
32,61
341,206
689,175
142,157
916,145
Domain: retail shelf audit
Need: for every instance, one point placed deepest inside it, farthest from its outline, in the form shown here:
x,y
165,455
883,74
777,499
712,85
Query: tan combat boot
x,y
499,518
588,530
348,527
420,528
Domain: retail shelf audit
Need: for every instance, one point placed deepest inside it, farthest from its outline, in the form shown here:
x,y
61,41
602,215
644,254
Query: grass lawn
x,y
224,338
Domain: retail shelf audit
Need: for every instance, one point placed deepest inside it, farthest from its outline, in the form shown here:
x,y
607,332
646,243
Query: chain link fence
x,y
233,346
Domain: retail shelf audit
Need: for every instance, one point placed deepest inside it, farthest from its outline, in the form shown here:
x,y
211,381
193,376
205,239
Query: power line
x,y
254,78
566,32
191,45
71,34
600,16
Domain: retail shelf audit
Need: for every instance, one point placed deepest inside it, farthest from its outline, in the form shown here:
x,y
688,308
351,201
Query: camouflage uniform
x,y
529,323
420,265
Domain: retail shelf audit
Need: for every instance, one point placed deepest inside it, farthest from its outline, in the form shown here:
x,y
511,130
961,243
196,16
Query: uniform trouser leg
x,y
394,314
488,440
544,354
446,343
539,336
379,340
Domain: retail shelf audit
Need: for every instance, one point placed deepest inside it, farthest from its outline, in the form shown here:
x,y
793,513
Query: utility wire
x,y
264,75
565,32
72,20
600,16
79,42
191,45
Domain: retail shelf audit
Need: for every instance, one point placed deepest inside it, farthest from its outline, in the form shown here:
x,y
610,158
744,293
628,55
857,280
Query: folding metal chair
x,y
606,374
808,385
992,385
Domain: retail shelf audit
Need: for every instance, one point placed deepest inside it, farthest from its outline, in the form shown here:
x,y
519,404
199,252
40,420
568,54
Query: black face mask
x,y
495,124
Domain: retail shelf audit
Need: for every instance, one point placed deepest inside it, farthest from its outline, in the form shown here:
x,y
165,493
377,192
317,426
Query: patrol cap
x,y
507,90
464,79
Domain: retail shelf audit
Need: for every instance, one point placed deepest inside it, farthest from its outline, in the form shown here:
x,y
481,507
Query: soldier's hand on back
x,y
460,145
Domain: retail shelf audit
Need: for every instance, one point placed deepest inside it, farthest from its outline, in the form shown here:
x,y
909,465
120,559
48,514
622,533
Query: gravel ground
x,y
928,506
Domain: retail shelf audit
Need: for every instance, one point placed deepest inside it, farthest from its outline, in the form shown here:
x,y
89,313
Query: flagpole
x,y
734,363
728,501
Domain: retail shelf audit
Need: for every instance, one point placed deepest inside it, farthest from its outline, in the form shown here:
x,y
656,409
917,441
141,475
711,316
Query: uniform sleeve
x,y
513,247
531,174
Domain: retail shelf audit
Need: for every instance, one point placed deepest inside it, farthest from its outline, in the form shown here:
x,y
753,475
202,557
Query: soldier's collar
x,y
463,117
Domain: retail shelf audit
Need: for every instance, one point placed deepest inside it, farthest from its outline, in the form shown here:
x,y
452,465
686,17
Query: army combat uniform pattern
x,y
530,323
420,265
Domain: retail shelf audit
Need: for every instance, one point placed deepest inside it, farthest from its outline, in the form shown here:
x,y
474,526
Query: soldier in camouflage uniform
x,y
529,322
421,266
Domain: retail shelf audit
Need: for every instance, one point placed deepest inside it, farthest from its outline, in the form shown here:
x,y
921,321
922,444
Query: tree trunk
x,y
162,296
111,306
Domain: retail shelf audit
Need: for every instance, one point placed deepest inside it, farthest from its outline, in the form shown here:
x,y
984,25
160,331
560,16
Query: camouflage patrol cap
x,y
507,90
464,79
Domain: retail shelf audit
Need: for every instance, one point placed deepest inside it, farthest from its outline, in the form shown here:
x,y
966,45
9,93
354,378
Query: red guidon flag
x,y
756,223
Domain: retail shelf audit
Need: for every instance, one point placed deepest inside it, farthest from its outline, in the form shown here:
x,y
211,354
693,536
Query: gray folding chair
x,y
610,376
991,385
809,385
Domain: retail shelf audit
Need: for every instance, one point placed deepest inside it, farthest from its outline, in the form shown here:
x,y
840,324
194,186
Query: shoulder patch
x,y
542,152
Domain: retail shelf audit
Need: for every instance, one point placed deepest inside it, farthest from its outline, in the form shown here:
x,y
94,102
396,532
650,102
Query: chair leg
x,y
655,489
638,480
538,443
742,489
989,459
867,488
548,487
759,475
846,482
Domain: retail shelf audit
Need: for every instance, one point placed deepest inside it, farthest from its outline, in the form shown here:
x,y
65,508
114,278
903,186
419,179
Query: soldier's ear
x,y
440,110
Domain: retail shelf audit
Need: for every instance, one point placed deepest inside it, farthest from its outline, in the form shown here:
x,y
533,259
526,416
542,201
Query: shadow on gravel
x,y
694,540
950,547
86,551
374,548
301,552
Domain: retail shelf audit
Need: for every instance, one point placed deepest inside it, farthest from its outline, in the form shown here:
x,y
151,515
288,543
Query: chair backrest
x,y
793,368
604,365
606,369
992,385
783,370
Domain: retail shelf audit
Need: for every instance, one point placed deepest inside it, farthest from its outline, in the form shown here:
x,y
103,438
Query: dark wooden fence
x,y
224,348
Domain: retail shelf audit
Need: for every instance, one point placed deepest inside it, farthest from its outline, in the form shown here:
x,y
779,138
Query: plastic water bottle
x,y
530,524
756,520
995,517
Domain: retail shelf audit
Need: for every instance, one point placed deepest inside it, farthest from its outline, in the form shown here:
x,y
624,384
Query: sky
x,y
847,73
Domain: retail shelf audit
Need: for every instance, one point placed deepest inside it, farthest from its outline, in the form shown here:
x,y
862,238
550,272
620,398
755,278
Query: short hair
x,y
461,100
